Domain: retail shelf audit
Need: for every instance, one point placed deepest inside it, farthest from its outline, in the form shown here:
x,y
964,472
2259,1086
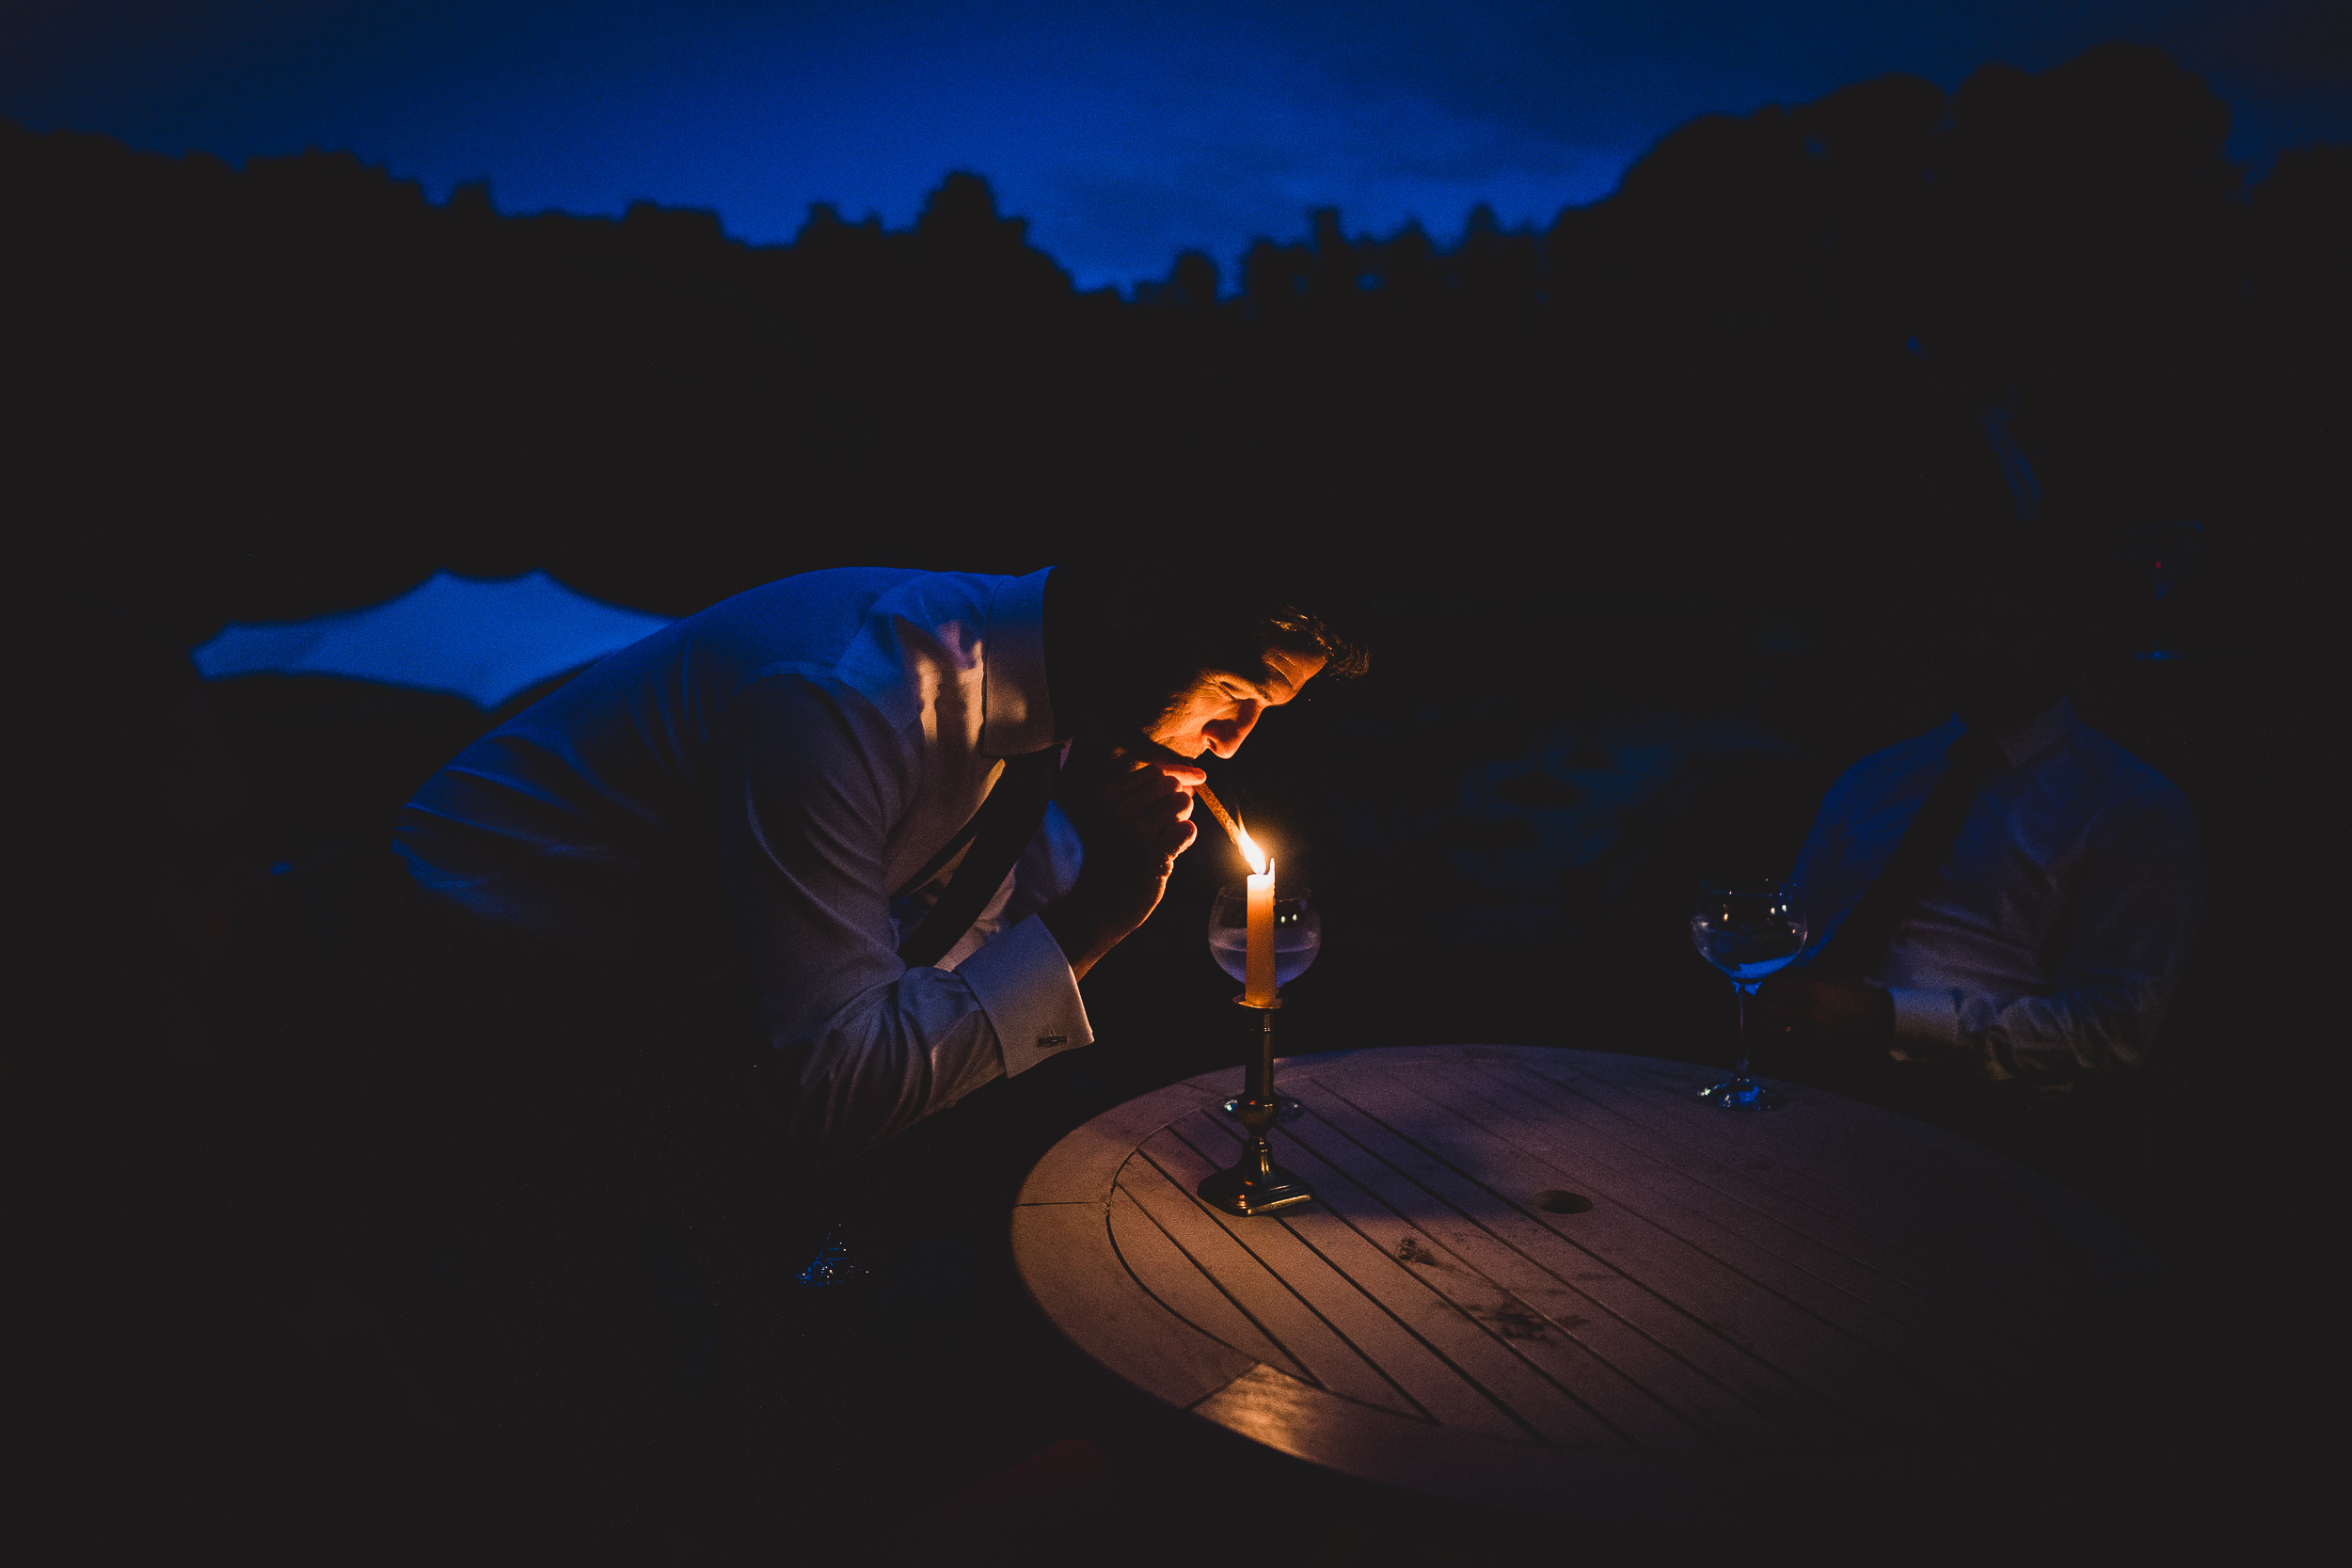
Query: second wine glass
x,y
1748,930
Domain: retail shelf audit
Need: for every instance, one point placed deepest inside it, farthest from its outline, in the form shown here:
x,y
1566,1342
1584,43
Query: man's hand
x,y
1842,1016
1135,817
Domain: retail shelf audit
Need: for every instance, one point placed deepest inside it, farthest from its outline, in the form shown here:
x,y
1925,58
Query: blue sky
x,y
1123,131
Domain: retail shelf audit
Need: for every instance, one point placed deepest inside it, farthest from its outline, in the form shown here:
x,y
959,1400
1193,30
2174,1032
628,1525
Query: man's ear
x,y
1138,599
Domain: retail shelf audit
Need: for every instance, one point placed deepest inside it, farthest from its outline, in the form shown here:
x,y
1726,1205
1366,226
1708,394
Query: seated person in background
x,y
2011,895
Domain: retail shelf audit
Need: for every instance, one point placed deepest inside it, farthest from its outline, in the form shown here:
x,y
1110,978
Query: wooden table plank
x,y
1673,1273
1185,1289
2010,1227
1861,1164
1081,1166
1855,1299
1639,1389
1309,1342
1096,1303
1964,1309
1291,1418
1884,1180
1341,1226
1828,1286
1678,1359
1434,1387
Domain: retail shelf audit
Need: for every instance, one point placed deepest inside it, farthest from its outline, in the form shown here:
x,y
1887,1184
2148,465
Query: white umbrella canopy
x,y
485,641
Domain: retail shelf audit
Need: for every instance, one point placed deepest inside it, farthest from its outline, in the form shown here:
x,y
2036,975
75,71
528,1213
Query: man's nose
x,y
1225,735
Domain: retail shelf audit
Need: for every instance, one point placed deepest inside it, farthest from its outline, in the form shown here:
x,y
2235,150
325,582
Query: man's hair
x,y
1153,624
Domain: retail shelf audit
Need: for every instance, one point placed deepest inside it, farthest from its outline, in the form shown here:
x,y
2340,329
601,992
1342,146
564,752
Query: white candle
x,y
1257,990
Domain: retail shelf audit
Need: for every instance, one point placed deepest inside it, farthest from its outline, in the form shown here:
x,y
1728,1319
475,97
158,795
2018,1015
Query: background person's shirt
x,y
2051,941
763,784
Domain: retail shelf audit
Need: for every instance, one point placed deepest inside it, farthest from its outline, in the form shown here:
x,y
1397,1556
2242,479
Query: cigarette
x,y
1207,796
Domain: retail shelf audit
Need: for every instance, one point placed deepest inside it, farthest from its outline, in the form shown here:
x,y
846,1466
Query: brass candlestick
x,y
1256,1185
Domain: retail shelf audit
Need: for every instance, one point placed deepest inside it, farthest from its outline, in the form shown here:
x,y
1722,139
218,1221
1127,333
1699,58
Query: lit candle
x,y
1257,990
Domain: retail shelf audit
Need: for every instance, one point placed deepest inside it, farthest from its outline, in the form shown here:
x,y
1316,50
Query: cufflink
x,y
1053,1039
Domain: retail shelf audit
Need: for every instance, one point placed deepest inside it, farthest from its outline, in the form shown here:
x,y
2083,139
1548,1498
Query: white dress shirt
x,y
759,783
2052,939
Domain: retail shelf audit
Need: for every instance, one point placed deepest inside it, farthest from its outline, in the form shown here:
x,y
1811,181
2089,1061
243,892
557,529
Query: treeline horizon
x,y
1680,474
1762,367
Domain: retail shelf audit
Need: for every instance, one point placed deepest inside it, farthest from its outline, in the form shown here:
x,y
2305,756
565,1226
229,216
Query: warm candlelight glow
x,y
1258,990
1250,850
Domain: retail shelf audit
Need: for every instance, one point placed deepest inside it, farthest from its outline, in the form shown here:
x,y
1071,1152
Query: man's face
x,y
2001,665
1218,711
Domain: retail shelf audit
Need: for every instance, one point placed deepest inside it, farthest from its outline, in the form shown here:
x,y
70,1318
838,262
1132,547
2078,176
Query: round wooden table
x,y
1557,1282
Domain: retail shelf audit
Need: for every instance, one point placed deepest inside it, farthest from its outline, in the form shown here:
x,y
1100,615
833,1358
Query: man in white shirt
x,y
825,800
782,787
2011,895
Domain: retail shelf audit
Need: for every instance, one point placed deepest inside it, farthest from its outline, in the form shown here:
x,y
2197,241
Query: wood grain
x,y
1188,1289
1850,1303
1830,1281
1454,1366
1662,1281
1944,1300
1081,1166
1309,1424
1727,1401
1098,1304
1307,1341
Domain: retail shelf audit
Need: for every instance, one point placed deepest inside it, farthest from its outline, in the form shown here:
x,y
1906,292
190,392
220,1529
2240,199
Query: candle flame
x,y
1250,850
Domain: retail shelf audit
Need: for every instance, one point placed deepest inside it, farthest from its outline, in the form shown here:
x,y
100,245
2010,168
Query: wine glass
x,y
1298,938
1747,929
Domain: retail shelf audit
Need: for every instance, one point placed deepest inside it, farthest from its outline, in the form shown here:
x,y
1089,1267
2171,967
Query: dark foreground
x,y
211,1355
227,1374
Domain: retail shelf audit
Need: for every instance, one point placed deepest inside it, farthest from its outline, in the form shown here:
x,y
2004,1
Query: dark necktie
x,y
998,832
1860,943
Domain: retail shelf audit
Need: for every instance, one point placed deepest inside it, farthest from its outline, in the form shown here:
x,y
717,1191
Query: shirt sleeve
x,y
2133,913
809,779
1820,876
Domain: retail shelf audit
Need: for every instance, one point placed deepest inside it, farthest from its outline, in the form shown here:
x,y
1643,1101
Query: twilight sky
x,y
1125,131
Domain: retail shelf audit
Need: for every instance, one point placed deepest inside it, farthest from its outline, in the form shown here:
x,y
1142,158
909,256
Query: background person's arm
x,y
2130,921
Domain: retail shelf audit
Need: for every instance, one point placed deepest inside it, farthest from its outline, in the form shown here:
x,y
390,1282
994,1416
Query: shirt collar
x,y
1016,710
2028,739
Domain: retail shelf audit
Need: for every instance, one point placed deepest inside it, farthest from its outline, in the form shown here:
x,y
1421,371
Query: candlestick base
x,y
1255,1184
1254,1187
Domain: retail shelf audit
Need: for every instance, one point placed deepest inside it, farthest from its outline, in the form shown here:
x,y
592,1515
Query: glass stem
x,y
1741,1072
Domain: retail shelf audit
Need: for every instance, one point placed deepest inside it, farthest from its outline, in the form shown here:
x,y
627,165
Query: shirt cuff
x,y
1926,1022
1031,999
